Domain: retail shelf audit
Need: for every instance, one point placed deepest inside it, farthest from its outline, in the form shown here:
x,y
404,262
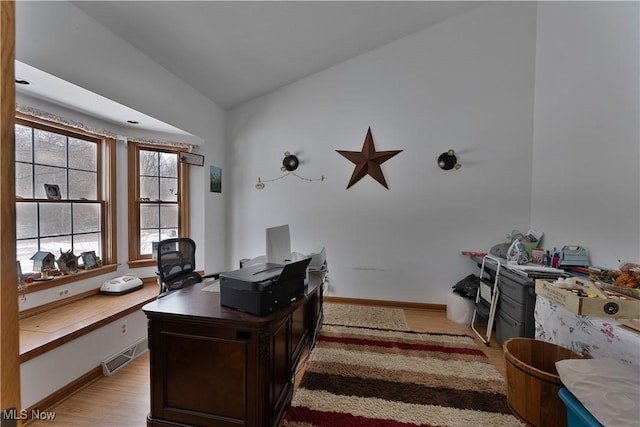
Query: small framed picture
x,y
215,179
89,260
52,191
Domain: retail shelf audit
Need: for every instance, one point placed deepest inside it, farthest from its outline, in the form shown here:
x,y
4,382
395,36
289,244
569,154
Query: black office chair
x,y
176,261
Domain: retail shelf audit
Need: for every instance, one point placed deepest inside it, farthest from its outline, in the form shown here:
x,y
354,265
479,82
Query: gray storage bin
x,y
516,287
509,306
519,290
507,327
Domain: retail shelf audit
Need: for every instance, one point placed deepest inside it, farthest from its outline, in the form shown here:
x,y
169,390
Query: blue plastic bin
x,y
577,415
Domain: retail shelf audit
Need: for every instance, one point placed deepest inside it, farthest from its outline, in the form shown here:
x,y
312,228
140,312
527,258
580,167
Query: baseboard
x,y
385,303
65,392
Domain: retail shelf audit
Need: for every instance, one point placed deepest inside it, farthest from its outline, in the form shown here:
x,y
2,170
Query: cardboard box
x,y
604,304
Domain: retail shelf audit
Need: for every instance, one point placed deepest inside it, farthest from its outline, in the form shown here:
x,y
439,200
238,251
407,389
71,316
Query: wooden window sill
x,y
142,263
68,278
44,330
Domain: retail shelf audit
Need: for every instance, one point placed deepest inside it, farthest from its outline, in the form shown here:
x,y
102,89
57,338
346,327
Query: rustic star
x,y
368,161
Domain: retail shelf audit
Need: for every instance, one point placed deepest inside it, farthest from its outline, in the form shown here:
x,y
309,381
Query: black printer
x,y
263,288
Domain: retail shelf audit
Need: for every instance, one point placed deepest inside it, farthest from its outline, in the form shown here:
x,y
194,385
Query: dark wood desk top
x,y
194,303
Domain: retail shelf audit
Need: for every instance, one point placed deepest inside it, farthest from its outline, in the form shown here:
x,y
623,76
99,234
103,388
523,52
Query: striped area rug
x,y
369,377
364,315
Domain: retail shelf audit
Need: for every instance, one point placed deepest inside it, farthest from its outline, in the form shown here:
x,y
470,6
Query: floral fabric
x,y
593,337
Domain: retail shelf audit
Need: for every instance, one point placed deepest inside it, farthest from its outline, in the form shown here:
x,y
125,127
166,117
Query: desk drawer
x,y
518,289
517,311
507,327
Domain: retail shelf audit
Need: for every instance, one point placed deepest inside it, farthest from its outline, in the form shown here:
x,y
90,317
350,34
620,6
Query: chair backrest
x,y
176,261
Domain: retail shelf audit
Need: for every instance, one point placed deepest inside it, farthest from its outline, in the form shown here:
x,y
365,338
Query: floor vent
x,y
119,360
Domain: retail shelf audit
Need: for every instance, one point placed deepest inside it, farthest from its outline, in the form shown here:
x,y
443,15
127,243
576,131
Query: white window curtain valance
x,y
151,141
43,115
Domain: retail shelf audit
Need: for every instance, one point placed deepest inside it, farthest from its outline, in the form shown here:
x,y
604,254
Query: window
x,y
62,201
158,198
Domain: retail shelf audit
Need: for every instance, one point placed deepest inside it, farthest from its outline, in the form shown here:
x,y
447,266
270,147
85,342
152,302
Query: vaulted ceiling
x,y
234,51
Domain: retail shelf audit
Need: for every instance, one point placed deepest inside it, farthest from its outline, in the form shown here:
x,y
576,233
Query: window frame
x,y
106,173
136,259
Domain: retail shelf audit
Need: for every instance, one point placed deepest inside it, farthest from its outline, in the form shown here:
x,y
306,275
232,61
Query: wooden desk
x,y
216,366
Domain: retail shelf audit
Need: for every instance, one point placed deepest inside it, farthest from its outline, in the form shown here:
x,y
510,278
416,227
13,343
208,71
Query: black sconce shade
x,y
448,161
290,162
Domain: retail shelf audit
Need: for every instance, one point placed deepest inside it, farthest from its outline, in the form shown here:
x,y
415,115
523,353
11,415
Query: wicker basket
x,y
533,382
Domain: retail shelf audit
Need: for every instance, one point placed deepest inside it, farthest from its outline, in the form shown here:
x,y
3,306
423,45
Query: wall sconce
x,y
448,161
290,162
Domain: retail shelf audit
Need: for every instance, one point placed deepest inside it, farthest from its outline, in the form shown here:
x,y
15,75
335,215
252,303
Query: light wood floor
x,y
123,398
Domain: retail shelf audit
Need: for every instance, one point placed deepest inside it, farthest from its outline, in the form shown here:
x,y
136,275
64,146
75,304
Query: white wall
x,y
46,374
466,84
38,379
80,50
57,38
586,149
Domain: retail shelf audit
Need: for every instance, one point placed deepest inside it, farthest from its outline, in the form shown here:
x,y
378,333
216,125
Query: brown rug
x,y
365,316
369,377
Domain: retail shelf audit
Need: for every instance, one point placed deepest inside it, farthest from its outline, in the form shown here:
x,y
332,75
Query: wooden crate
x,y
601,304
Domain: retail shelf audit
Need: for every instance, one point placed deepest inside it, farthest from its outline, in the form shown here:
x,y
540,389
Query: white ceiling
x,y
234,51
57,91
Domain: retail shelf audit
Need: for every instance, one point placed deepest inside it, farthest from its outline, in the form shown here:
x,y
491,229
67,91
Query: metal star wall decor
x,y
368,161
